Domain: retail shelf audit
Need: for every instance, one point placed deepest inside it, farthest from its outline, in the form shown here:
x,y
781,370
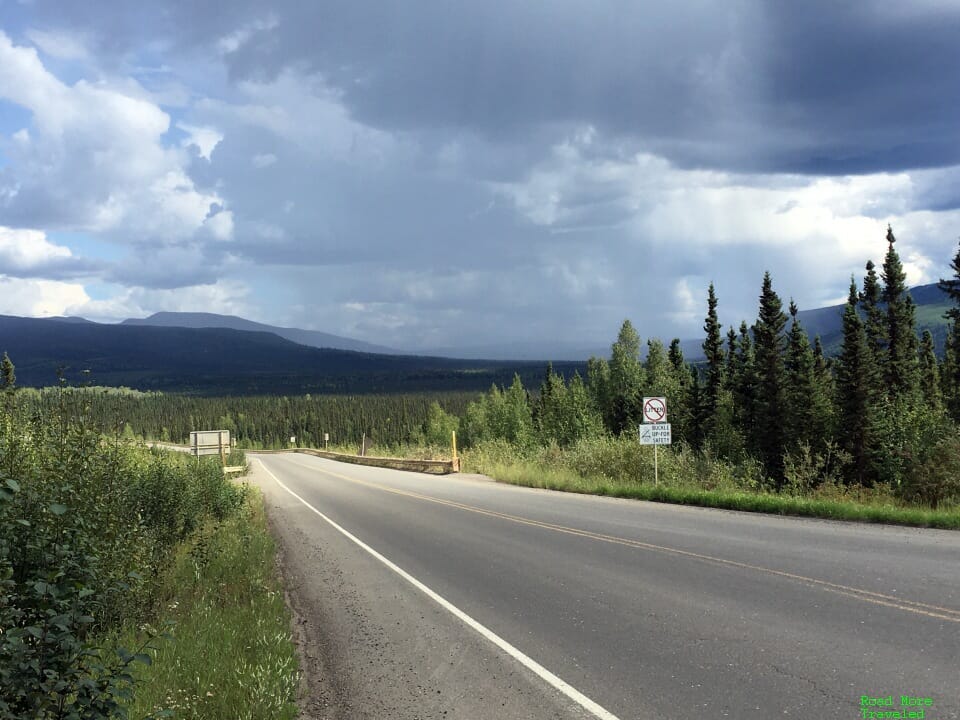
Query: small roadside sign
x,y
654,409
210,442
655,434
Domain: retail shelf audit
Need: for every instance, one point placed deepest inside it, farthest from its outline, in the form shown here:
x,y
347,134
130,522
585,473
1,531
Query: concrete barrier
x,y
436,467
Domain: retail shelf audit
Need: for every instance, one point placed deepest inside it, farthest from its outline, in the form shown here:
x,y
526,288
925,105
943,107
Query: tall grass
x,y
231,655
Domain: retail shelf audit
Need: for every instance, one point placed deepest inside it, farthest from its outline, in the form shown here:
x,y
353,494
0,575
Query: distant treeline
x,y
261,421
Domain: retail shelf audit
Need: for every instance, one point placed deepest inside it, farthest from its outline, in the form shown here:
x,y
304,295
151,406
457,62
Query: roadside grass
x,y
230,656
528,475
619,467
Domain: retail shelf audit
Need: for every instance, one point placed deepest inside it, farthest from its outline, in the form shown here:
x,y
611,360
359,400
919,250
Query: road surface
x,y
455,597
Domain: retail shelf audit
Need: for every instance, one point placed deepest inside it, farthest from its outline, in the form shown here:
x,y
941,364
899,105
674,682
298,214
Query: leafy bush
x,y
936,481
86,520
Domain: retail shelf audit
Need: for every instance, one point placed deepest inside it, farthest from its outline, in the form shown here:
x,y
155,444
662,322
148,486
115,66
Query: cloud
x,y
404,172
93,159
204,139
28,253
227,297
39,298
59,44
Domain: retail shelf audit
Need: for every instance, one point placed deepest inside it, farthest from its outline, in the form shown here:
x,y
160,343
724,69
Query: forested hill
x,y
930,300
217,361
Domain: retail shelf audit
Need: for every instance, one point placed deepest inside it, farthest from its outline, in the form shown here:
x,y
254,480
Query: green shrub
x,y
86,521
936,481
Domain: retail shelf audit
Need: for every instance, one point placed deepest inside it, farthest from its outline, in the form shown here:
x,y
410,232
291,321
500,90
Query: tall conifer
x,y
768,335
875,320
800,387
950,380
901,367
713,350
856,387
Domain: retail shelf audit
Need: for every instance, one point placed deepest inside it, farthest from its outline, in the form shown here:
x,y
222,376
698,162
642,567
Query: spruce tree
x,y
681,413
730,371
857,381
950,379
770,432
745,383
8,375
875,320
800,388
713,350
824,398
901,368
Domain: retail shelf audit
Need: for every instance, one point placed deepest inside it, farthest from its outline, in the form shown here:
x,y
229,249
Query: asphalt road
x,y
455,597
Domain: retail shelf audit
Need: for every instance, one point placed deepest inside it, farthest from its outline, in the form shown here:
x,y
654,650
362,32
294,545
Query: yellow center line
x,y
920,608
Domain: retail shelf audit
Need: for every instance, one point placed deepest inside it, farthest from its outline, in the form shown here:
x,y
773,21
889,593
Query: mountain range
x,y
221,354
222,361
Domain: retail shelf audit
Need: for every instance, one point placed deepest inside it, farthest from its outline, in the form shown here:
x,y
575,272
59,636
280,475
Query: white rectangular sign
x,y
655,434
210,442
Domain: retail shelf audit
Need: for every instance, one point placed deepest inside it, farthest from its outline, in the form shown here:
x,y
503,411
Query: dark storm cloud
x,y
817,87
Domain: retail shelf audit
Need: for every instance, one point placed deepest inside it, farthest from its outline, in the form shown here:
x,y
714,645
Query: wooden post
x,y
453,437
656,471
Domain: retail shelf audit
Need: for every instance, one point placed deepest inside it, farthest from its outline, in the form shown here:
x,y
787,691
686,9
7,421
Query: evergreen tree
x,y
902,368
857,380
745,383
713,381
730,371
950,376
875,320
695,431
800,387
825,397
770,432
929,373
8,375
626,380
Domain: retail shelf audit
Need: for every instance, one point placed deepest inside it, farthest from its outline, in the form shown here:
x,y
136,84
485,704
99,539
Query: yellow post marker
x,y
453,438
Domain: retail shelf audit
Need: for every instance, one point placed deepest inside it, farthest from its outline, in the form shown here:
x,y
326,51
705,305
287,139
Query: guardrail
x,y
436,467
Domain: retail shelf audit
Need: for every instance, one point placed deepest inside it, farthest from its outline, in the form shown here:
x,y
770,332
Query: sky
x,y
425,173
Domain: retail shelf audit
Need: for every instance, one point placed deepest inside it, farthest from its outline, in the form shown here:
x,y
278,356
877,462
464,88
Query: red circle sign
x,y
654,410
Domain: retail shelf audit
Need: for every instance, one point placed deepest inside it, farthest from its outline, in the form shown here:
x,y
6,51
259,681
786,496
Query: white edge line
x,y
528,662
